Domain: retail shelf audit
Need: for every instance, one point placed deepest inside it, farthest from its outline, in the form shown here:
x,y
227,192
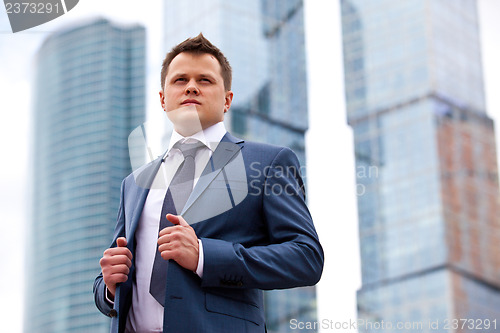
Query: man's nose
x,y
191,88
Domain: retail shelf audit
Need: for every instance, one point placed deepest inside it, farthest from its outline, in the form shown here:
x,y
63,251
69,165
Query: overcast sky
x,y
334,210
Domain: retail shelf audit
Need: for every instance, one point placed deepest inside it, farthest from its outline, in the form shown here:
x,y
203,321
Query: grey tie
x,y
178,192
181,185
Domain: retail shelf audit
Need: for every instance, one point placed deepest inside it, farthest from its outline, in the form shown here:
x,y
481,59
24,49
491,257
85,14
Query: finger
x,y
170,254
117,278
117,251
114,270
115,260
164,247
167,230
169,244
167,238
121,242
173,218
171,230
177,219
120,269
163,239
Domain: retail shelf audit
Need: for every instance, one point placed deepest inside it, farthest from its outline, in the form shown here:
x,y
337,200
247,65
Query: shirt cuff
x,y
199,268
107,296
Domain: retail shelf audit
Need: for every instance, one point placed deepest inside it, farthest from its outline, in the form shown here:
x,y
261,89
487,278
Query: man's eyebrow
x,y
208,76
202,75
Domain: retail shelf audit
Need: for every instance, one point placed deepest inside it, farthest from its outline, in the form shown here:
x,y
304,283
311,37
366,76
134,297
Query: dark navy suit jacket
x,y
249,211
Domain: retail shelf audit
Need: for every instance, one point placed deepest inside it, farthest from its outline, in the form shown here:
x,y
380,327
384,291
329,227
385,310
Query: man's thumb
x,y
121,242
177,219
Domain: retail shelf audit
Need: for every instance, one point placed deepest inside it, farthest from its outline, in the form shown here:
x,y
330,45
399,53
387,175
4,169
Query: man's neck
x,y
210,135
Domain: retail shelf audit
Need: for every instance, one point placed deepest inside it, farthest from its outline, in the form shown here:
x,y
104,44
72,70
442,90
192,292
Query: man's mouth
x,y
190,102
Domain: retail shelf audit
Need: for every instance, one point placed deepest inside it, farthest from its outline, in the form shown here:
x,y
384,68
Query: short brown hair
x,y
198,45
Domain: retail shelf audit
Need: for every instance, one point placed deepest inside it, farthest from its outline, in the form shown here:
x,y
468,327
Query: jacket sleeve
x,y
99,288
292,258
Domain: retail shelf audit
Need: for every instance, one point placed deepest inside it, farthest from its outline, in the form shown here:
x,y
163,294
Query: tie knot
x,y
189,149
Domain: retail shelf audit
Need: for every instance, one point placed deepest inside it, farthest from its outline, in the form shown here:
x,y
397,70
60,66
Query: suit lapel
x,y
143,181
226,150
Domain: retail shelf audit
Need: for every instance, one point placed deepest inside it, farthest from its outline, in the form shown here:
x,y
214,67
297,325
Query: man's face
x,y
194,96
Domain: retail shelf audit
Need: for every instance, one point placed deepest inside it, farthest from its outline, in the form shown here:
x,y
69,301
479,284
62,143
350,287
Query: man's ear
x,y
228,99
162,100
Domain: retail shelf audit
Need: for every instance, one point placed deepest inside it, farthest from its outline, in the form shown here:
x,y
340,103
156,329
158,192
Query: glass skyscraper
x,y
426,166
264,42
89,95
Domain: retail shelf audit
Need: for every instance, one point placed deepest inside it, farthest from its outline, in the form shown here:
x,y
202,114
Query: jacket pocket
x,y
233,307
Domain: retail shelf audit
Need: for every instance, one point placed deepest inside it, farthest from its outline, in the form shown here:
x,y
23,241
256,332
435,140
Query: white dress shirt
x,y
146,314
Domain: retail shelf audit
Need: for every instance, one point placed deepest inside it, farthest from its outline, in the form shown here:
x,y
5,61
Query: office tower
x,y
264,42
425,164
89,95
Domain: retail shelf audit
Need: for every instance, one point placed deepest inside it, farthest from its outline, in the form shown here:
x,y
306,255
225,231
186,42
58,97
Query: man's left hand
x,y
179,243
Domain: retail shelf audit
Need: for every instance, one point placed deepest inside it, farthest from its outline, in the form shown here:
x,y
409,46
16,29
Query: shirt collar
x,y
210,137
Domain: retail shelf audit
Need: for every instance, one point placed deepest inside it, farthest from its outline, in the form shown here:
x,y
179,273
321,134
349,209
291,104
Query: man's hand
x,y
179,243
115,265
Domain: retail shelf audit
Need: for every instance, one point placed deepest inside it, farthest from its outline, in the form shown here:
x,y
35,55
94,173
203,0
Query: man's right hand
x,y
115,265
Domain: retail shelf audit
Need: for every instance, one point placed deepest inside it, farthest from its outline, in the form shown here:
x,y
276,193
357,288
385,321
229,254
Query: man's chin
x,y
186,120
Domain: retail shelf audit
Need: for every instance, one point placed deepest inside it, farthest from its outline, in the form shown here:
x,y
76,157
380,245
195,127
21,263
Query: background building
x,y
89,95
425,160
264,42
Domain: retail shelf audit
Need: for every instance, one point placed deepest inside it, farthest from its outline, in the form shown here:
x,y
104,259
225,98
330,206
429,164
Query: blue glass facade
x,y
264,42
89,95
426,170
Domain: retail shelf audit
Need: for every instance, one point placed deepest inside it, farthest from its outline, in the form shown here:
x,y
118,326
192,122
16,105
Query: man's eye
x,y
180,79
205,80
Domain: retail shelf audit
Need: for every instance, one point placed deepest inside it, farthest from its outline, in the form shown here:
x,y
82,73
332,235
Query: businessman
x,y
230,221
